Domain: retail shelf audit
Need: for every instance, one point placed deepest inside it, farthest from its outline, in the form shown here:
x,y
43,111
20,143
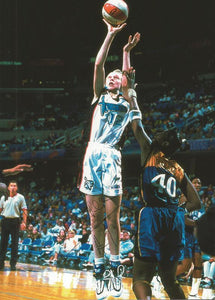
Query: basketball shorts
x,y
101,171
191,245
161,233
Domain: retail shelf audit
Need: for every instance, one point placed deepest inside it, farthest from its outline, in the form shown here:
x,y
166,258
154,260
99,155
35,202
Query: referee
x,y
12,205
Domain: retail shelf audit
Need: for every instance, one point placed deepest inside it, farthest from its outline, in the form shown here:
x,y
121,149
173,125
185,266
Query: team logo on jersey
x,y
88,184
111,107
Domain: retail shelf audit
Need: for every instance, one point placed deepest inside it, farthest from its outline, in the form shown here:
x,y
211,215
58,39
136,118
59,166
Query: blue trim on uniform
x,y
105,107
135,114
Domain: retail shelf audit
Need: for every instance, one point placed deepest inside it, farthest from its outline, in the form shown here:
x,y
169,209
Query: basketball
x,y
3,188
115,12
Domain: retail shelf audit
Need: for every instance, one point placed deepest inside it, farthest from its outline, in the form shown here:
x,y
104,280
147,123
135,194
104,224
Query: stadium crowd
x,y
188,107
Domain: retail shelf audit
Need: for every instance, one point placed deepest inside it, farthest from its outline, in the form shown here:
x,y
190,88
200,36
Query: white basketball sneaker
x,y
103,285
116,281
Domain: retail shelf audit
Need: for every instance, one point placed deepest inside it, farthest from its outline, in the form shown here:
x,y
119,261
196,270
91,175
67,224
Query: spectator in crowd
x,y
77,211
28,232
127,225
85,233
45,235
207,283
208,273
205,231
35,234
192,251
64,247
56,249
70,242
57,227
123,217
62,234
126,248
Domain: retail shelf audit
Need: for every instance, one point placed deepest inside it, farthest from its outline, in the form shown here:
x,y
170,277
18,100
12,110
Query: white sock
x,y
99,261
195,286
114,258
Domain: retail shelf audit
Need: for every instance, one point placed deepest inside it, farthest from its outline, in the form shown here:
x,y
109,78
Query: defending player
x,y
160,233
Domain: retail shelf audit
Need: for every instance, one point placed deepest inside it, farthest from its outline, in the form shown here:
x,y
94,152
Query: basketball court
x,y
34,282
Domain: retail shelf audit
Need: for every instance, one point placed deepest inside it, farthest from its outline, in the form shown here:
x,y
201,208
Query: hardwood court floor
x,y
51,283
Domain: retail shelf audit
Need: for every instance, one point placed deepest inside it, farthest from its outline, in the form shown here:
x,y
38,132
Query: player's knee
x,y
142,284
112,223
97,223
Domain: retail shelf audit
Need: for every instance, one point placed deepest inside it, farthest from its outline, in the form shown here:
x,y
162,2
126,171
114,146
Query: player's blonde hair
x,y
115,71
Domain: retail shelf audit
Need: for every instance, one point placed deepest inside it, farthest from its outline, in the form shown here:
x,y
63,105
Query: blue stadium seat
x,y
24,249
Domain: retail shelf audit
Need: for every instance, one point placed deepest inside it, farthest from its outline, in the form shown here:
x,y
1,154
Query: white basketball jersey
x,y
109,120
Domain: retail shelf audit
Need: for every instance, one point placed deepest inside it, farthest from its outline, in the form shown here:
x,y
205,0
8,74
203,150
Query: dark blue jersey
x,y
160,225
194,215
160,181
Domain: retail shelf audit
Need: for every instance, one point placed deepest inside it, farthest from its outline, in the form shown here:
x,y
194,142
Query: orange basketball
x,y
115,12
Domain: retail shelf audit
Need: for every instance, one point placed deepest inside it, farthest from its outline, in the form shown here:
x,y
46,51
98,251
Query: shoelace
x,y
120,270
107,274
116,281
118,277
101,283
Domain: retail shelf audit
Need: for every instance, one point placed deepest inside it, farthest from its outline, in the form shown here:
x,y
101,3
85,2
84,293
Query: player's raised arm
x,y
132,42
128,83
17,169
99,70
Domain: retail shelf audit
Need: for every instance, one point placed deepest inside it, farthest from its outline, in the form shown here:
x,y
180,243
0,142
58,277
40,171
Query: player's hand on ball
x,y
114,29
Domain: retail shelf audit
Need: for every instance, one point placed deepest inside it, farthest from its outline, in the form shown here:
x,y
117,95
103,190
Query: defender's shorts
x,y
191,245
160,233
101,171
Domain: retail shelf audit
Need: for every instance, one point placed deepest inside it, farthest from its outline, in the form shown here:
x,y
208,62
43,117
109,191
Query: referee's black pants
x,y
9,226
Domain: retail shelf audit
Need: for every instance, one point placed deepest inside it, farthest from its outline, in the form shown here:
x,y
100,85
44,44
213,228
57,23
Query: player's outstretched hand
x,y
18,169
132,42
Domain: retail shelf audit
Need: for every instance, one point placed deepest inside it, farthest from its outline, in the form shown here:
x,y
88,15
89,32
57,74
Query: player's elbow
x,y
99,66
